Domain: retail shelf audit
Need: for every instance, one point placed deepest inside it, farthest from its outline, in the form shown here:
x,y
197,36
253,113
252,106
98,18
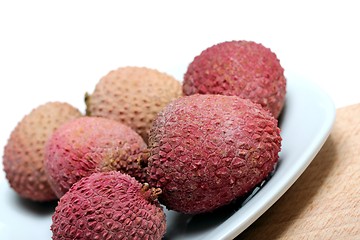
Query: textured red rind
x,y
108,205
207,150
242,68
91,144
24,152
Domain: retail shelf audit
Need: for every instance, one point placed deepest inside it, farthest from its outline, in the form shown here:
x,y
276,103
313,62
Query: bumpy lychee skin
x,y
91,144
109,205
23,157
208,150
242,68
133,96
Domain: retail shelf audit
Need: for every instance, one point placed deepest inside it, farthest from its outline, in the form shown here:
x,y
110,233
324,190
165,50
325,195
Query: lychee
x,y
109,205
208,150
91,144
242,68
133,96
23,157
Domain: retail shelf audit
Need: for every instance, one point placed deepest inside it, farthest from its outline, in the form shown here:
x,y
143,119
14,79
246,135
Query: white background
x,y
58,50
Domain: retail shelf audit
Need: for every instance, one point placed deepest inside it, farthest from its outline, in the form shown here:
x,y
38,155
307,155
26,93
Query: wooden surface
x,y
324,203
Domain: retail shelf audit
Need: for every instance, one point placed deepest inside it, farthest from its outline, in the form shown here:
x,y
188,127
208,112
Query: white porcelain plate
x,y
305,124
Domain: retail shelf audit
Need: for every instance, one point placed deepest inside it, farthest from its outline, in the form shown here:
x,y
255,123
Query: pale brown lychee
x,y
241,68
133,96
24,152
86,145
208,150
109,205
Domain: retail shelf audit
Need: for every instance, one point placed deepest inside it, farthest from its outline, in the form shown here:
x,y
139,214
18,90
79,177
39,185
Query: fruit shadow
x,y
282,115
191,225
33,207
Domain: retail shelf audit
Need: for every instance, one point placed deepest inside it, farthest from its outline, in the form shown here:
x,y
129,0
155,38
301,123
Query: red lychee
x,y
208,150
241,68
109,205
91,144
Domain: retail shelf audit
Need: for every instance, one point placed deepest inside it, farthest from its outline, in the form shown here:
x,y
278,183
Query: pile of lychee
x,y
149,141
